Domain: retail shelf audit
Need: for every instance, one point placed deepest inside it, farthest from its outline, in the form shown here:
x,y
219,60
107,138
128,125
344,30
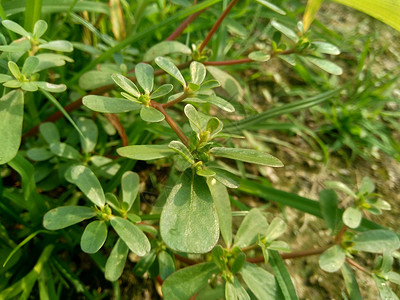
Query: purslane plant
x,y
196,210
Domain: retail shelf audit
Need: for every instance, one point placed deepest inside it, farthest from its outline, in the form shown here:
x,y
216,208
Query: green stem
x,y
33,11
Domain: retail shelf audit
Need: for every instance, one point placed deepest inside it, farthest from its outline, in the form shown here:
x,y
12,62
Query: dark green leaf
x,y
65,216
189,222
384,290
144,263
328,204
133,237
238,262
226,178
186,282
94,79
49,132
94,236
166,264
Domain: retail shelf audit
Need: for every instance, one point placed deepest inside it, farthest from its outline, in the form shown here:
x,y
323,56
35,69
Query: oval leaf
x,y
247,155
260,282
90,132
189,222
63,46
133,237
170,68
11,116
130,188
275,229
145,76
64,216
180,148
15,27
259,56
88,183
145,152
94,236
197,72
325,65
332,259
162,91
352,217
116,261
150,114
109,105
65,151
166,264
126,84
253,224
49,132
94,79
165,48
376,241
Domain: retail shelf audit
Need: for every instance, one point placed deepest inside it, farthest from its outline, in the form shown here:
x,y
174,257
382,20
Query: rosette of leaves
x,y
108,210
364,199
299,48
229,275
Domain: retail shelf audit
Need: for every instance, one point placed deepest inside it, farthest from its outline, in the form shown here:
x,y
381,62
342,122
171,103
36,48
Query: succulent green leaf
x,y
166,264
247,155
145,152
325,65
60,45
110,105
94,79
11,116
285,30
49,132
126,84
150,114
51,60
64,150
275,229
165,48
30,65
181,149
197,72
227,82
40,28
328,203
272,7
238,262
170,68
226,178
39,154
252,225
189,222
5,77
162,91
385,291
367,186
219,102
260,282
113,201
352,217
133,237
332,259
14,69
279,246
205,172
29,86
88,183
130,188
376,241
186,282
14,84
194,118
259,56
341,187
145,76
144,264
351,283
90,132
209,84
326,48
234,291
64,216
116,261
222,204
94,236
15,27
50,87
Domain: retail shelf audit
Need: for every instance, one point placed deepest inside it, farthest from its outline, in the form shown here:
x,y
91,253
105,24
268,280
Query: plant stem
x,y
357,266
339,236
114,120
177,100
228,62
171,122
216,25
291,255
177,32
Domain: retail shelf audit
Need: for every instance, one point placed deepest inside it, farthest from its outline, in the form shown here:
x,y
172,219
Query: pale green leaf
x,y
272,7
325,65
49,132
164,48
15,27
352,217
367,186
51,60
234,291
14,69
341,187
109,105
11,116
116,261
181,149
227,82
39,154
94,236
90,132
126,84
40,28
29,86
275,229
189,222
150,114
130,188
385,291
259,56
326,48
64,150
376,241
197,72
285,30
145,76
60,45
332,259
94,79
51,87
64,216
30,65
351,283
145,152
310,12
260,282
162,91
247,155
170,68
88,183
133,237
252,225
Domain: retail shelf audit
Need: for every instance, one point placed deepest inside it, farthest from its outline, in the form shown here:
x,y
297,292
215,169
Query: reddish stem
x,y
291,255
339,236
186,260
216,25
177,100
357,266
228,62
114,120
171,122
177,32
